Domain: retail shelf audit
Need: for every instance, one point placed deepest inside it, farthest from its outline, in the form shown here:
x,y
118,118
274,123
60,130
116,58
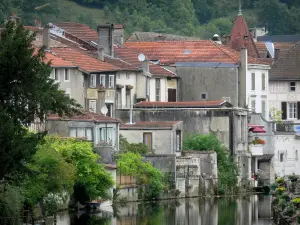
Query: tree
x,y
227,169
130,163
139,148
26,92
91,176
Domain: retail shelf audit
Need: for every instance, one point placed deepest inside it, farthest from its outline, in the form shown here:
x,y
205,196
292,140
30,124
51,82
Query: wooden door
x,y
171,95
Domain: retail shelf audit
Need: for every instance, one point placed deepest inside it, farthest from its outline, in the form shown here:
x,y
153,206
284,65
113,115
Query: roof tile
x,y
83,61
195,104
149,124
85,116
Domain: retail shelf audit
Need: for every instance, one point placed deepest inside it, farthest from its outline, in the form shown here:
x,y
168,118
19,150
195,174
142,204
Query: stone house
x,y
102,130
218,117
135,80
210,71
163,137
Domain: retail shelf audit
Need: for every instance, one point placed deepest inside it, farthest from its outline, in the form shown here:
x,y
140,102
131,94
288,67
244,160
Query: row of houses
x,y
158,89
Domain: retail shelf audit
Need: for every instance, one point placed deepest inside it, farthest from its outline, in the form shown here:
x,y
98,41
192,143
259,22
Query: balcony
x,y
256,150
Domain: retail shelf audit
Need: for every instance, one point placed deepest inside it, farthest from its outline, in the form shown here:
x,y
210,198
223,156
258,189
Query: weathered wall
x,y
58,127
216,82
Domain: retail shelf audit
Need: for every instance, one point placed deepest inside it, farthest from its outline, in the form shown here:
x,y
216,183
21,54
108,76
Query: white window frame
x,y
293,86
93,80
85,132
92,109
111,81
205,94
292,106
127,76
67,73
56,71
102,80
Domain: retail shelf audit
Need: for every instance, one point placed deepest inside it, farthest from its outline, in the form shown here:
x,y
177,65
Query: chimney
x,y
106,39
242,88
276,53
119,34
216,38
100,53
46,36
145,66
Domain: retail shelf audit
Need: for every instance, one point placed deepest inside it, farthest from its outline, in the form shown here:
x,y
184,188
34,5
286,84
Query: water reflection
x,y
250,210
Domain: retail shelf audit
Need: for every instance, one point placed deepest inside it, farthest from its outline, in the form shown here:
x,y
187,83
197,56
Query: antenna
x,y
141,57
240,7
104,110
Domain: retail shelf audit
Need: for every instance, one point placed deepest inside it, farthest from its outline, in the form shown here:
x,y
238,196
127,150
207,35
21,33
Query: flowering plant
x,y
258,141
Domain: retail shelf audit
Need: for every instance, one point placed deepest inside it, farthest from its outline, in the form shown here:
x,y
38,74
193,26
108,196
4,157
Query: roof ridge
x,y
219,46
290,50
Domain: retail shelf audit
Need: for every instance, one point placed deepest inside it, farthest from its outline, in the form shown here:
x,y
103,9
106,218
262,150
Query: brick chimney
x,y
46,36
106,39
119,34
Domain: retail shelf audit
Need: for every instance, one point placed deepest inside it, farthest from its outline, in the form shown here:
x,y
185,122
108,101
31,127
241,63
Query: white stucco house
x,y
162,137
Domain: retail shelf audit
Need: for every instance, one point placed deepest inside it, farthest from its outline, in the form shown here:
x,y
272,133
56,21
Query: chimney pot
x,y
46,36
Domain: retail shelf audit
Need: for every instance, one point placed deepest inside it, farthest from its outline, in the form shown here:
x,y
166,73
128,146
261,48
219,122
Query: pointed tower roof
x,y
240,37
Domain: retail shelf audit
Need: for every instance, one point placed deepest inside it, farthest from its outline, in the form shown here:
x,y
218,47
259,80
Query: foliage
x,y
279,191
130,163
258,141
47,172
227,168
280,180
89,174
26,92
296,202
139,148
281,204
11,203
285,196
276,115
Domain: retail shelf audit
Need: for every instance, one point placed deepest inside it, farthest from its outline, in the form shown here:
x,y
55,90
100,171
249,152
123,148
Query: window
x,y
252,81
281,157
106,135
127,76
263,82
263,108
128,98
92,106
178,140
292,86
292,110
81,132
157,90
109,109
68,92
111,81
203,96
56,75
93,80
253,105
147,140
102,80
67,75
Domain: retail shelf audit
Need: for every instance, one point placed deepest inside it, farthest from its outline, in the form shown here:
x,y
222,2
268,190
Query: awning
x,y
257,130
255,125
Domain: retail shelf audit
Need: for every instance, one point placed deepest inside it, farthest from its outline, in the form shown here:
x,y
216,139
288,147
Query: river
x,y
249,210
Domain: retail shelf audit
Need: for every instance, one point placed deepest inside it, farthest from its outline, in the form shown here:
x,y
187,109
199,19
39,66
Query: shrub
x,y
281,204
273,186
275,201
279,191
258,141
289,210
286,196
280,180
293,177
296,202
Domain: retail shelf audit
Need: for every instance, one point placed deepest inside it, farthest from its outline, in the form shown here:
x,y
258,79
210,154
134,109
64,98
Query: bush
x,y
279,191
281,204
296,202
280,180
273,186
258,142
289,210
275,201
286,196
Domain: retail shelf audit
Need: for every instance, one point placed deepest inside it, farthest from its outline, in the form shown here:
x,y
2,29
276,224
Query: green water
x,y
251,210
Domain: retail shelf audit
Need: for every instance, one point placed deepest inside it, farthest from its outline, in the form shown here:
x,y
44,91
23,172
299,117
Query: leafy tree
x,y
47,172
139,148
227,169
130,163
26,92
90,175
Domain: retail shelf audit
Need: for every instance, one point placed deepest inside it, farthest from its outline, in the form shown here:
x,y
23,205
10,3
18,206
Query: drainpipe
x,y
130,120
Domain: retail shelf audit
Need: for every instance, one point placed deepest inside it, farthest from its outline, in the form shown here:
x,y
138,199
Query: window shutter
x,y
298,110
284,110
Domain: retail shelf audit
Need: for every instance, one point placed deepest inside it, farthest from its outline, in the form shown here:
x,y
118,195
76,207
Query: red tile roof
x,y
57,61
131,56
195,104
149,124
170,52
283,46
81,31
32,28
240,37
83,61
85,116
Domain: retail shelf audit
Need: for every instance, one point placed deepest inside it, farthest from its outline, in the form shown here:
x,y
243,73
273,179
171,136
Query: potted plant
x,y
258,141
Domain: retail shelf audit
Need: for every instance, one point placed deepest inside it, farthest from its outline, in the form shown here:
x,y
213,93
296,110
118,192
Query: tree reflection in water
x,y
89,219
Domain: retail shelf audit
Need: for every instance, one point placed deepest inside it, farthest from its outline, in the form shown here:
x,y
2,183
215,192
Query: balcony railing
x,y
287,126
